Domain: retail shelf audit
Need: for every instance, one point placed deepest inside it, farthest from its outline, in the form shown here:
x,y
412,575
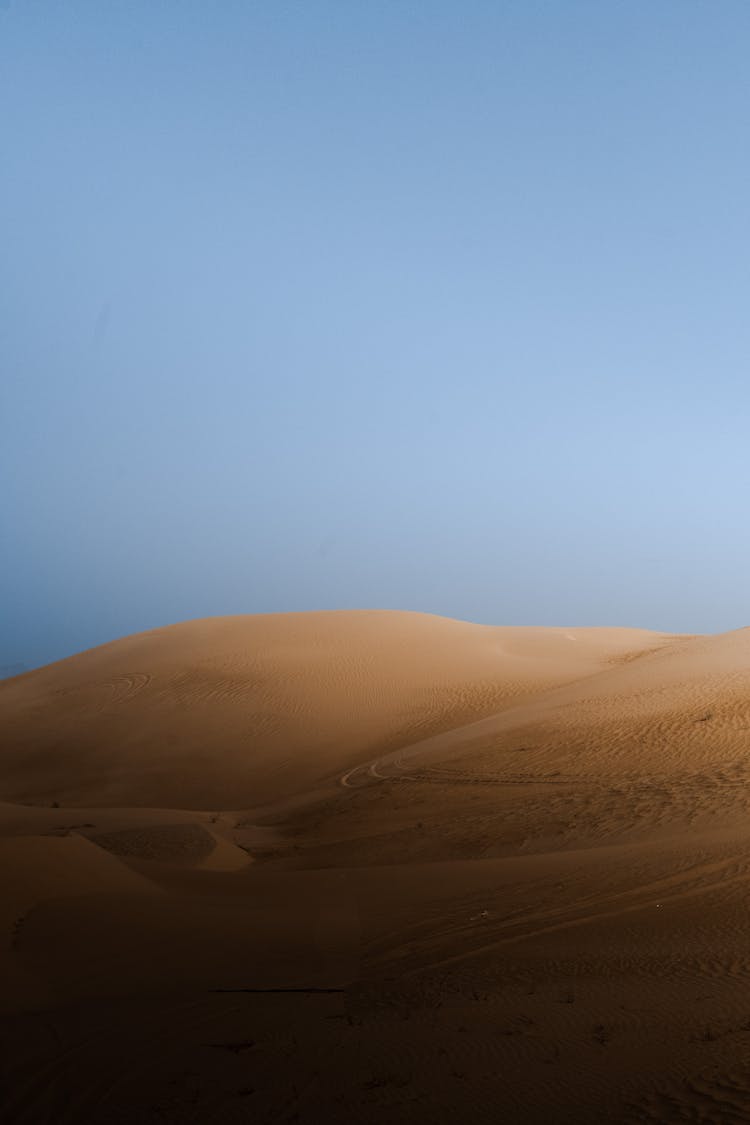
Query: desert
x,y
365,866
374,645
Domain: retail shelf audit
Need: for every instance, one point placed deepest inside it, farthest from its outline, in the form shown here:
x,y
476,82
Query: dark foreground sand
x,y
377,867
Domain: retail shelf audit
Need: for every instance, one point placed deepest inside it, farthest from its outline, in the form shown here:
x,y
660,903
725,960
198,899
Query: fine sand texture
x,y
377,867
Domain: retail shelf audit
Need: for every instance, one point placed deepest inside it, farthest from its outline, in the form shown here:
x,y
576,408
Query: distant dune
x,y
369,866
229,712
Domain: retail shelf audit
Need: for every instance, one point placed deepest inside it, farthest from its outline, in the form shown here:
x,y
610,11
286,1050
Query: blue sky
x,y
433,306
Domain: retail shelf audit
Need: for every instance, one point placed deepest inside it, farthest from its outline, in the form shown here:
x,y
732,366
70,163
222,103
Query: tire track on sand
x,y
657,894
501,721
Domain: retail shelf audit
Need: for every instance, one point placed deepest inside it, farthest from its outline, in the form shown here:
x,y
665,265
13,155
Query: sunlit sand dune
x,y
228,712
366,867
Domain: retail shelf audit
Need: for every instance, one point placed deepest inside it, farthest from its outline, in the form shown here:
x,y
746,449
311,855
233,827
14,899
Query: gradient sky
x,y
434,306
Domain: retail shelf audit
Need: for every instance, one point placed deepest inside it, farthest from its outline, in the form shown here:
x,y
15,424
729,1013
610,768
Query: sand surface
x,y
368,867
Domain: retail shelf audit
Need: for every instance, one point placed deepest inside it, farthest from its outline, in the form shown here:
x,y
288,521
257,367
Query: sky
x,y
439,306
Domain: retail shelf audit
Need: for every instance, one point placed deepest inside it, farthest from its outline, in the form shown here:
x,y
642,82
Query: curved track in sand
x,y
396,763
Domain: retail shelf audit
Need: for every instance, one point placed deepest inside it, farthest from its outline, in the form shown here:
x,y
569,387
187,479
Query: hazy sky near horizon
x,y
438,306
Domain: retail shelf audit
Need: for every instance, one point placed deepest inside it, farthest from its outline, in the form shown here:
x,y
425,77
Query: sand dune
x,y
498,873
229,712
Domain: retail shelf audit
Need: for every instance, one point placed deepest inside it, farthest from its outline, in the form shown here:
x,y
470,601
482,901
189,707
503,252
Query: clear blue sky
x,y
435,306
